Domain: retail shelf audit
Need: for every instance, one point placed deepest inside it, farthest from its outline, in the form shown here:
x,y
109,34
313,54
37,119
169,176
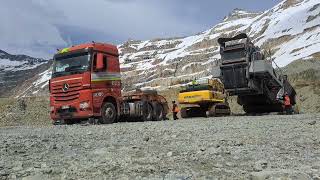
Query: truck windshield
x,y
233,54
71,64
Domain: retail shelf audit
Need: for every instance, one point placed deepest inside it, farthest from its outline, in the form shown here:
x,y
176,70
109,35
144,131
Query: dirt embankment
x,y
27,111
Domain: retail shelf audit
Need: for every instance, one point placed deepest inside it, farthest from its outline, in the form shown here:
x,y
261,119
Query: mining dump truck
x,y
203,98
86,84
247,74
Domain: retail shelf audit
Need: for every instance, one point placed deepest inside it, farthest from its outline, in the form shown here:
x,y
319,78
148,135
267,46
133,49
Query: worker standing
x,y
287,104
175,110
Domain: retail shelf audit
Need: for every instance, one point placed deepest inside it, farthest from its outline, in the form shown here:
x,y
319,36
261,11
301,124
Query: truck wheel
x,y
158,112
147,112
109,113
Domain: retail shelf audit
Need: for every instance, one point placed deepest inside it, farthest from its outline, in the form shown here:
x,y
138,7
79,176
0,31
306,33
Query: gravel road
x,y
255,147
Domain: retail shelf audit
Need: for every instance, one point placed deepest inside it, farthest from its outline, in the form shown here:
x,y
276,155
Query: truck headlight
x,y
84,105
51,108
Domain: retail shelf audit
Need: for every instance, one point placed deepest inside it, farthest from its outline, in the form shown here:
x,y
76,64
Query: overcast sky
x,y
37,27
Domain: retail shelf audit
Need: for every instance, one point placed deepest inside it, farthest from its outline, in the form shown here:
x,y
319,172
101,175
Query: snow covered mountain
x,y
290,30
16,69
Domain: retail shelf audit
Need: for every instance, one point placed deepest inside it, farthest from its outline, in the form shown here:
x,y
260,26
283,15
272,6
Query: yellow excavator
x,y
204,98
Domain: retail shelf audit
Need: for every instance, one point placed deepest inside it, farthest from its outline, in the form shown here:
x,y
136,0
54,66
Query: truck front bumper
x,y
72,109
70,112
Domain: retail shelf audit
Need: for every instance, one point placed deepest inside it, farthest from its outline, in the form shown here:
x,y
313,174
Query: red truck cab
x,y
86,83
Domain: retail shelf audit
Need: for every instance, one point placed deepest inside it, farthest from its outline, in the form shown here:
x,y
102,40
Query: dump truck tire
x,y
108,113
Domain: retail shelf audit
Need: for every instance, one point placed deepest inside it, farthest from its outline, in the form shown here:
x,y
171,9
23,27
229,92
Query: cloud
x,y
26,28
138,19
37,27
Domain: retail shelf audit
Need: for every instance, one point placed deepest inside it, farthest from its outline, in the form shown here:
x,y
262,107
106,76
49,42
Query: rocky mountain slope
x,y
305,77
16,69
290,31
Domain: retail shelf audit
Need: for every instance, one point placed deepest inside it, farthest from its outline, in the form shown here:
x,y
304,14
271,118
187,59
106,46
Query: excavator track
x,y
221,109
190,112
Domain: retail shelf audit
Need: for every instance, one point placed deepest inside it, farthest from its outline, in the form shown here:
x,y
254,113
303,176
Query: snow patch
x,y
44,79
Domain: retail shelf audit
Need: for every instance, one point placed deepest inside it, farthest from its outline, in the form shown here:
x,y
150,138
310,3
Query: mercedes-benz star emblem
x,y
65,87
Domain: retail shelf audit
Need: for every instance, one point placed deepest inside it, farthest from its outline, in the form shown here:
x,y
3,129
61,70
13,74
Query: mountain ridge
x,y
168,62
16,69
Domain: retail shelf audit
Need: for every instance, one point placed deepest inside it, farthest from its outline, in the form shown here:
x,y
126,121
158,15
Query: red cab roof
x,y
103,47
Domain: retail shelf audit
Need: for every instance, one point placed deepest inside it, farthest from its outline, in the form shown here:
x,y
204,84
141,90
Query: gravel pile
x,y
25,112
240,147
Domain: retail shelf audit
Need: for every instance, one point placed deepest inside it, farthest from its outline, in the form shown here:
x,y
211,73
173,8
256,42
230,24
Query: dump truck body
x,y
245,73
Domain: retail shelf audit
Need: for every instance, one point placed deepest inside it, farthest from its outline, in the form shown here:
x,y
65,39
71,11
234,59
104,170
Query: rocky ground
x,y
240,147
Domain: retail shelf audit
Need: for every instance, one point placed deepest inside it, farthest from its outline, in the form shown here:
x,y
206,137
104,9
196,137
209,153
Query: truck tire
x,y
108,113
147,114
158,112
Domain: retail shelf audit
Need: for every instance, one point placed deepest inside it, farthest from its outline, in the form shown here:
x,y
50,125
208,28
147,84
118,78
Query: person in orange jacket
x,y
175,110
287,104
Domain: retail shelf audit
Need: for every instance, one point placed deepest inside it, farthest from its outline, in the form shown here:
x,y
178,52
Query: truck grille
x,y
71,94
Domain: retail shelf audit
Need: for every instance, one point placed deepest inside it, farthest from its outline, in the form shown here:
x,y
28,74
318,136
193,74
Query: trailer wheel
x,y
147,112
109,113
158,112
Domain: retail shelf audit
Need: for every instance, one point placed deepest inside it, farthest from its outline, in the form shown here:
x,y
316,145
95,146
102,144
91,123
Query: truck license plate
x,y
65,107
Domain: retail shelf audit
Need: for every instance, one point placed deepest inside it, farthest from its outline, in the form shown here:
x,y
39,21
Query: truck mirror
x,y
99,62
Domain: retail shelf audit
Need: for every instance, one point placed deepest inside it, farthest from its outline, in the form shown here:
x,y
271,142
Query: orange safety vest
x,y
175,108
287,100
